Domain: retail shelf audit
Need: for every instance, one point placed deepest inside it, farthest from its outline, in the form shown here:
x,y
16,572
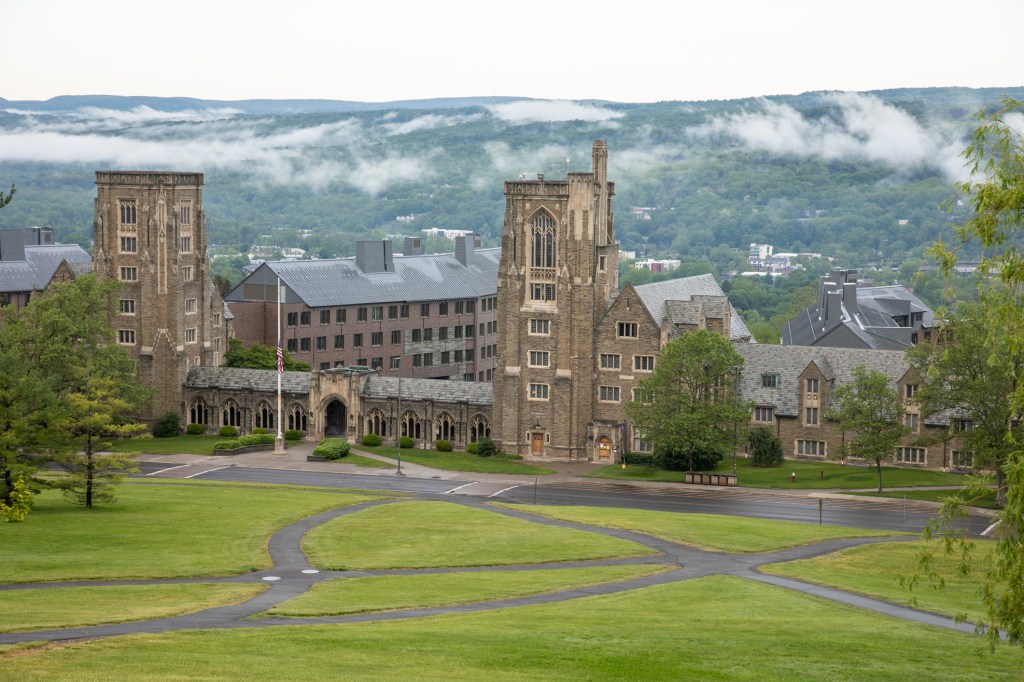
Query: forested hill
x,y
859,176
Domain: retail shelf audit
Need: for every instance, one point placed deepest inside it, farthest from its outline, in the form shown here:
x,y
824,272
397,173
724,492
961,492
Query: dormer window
x,y
769,381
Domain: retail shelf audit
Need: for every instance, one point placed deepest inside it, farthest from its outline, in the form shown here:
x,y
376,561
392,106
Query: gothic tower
x,y
149,233
557,275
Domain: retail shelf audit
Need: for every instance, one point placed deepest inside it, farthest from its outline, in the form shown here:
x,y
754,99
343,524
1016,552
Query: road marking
x,y
466,485
504,491
207,471
160,471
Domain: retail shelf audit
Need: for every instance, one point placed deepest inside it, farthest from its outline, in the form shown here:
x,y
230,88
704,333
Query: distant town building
x,y
759,251
665,265
447,234
641,212
627,255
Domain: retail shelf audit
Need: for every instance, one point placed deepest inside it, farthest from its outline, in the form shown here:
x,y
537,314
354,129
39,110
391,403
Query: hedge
x,y
331,448
371,440
645,459
194,429
443,445
406,442
242,441
293,434
228,432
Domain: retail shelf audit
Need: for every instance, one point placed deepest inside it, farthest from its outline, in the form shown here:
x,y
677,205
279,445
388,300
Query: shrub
x,y
676,460
471,448
765,447
485,447
167,426
406,442
371,440
331,448
228,432
242,441
645,459
293,434
260,429
443,445
194,429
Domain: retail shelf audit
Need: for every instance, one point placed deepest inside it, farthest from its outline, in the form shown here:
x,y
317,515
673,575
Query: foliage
x,y
765,447
868,410
471,448
260,429
225,431
995,193
485,447
406,442
646,459
167,426
245,441
4,200
671,458
293,434
691,407
259,356
194,429
443,445
371,440
332,448
21,502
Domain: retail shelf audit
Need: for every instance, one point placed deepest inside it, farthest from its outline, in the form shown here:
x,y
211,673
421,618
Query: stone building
x,y
30,262
150,234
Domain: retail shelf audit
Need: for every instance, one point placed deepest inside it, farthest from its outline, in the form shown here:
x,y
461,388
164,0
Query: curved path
x,y
292,576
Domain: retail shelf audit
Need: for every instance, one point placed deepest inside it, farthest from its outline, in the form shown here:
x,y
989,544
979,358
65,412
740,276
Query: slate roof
x,y
657,295
36,271
475,393
236,378
339,282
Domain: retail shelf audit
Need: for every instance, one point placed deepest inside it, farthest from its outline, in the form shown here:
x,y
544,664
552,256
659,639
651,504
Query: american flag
x,y
280,360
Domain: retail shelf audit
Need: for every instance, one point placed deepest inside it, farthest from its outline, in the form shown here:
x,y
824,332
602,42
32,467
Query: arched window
x,y
542,236
376,423
479,428
411,426
296,418
232,414
199,413
263,417
444,427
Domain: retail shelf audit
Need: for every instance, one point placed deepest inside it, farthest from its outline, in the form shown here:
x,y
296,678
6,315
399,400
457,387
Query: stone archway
x,y
336,420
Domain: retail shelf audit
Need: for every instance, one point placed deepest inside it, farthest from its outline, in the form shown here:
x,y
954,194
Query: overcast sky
x,y
380,50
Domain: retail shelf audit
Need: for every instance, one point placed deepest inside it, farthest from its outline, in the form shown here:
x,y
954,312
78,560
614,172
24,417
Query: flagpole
x,y
279,441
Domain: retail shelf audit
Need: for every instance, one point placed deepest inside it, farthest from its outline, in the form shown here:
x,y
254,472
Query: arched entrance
x,y
604,448
336,419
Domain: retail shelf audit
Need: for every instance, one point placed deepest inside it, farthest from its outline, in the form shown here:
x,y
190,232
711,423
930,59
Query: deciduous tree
x,y
259,356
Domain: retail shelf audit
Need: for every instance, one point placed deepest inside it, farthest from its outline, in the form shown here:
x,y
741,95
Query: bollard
x,y
823,474
792,479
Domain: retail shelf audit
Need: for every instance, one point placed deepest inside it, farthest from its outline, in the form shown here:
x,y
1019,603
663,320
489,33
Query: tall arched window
x,y
411,426
376,423
198,412
263,417
296,418
232,415
444,427
542,236
479,428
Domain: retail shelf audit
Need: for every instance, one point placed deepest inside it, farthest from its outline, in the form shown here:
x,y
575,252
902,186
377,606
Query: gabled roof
x,y
656,295
237,378
474,393
35,272
338,282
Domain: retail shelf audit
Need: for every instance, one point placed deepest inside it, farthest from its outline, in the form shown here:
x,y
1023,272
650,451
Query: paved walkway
x,y
292,576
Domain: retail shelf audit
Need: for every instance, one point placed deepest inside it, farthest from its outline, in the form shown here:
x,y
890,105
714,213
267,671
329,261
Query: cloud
x,y
541,111
428,122
866,128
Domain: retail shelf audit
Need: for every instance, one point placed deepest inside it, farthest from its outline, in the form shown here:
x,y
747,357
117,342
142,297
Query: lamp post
x,y
400,420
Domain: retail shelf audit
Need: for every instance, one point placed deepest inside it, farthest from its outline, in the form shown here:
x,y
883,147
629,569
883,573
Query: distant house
x,y
30,261
664,265
850,316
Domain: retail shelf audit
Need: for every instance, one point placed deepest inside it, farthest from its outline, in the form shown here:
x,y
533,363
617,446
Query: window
x,y
325,317
963,459
339,315
339,341
643,363
293,345
609,394
539,358
470,306
417,335
361,314
396,361
304,317
459,307
403,311
446,357
126,337
190,306
542,292
481,332
442,333
377,423
263,416
467,377
428,334
392,312
911,391
417,360
538,391
600,263
377,312
469,354
376,363
764,414
128,213
912,455
811,416
812,385
428,359
186,244
769,381
325,365
216,320
129,245
458,332
469,331
232,415
814,448
396,337
304,344
361,362
185,213
126,306
641,444
198,412
357,340
377,339
542,234
129,274
459,355
293,319
442,308
627,330
444,428
910,420
296,418
190,335
540,327
424,310
321,343
963,425
610,360
186,273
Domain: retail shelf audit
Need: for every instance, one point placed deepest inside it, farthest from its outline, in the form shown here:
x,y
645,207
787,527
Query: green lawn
x,y
985,502
718,628
360,461
808,475
706,531
432,534
156,531
383,593
875,570
68,607
462,461
175,445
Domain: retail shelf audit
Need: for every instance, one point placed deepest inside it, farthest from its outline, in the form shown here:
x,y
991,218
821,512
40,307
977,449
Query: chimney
x,y
375,256
464,249
850,297
12,244
833,309
412,246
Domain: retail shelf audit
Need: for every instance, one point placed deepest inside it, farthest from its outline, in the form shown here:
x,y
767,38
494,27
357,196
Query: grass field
x,y
985,502
719,628
706,531
175,445
431,534
462,461
876,570
390,592
808,475
67,607
156,531
360,461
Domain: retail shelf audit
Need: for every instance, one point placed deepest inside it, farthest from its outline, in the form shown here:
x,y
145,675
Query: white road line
x,y
465,485
505,490
207,471
160,471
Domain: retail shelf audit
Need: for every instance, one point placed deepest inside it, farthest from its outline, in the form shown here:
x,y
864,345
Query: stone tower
x,y
149,233
557,275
